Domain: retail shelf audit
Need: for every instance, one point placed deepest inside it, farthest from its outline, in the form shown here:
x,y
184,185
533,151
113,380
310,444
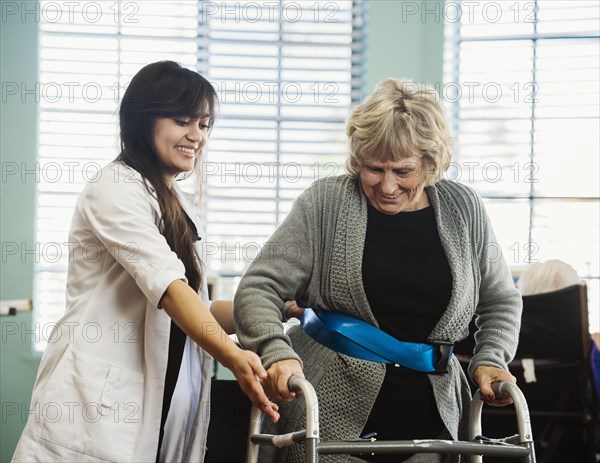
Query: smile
x,y
391,196
188,151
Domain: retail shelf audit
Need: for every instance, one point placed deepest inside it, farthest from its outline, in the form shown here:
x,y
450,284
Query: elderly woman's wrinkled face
x,y
393,187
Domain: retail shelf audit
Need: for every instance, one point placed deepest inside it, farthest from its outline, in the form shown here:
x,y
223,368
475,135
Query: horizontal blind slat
x,y
533,151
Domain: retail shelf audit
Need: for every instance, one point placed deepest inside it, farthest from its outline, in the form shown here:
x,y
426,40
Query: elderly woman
x,y
397,246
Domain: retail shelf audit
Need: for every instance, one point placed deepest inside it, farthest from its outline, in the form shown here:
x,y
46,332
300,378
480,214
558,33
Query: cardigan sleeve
x,y
280,272
500,304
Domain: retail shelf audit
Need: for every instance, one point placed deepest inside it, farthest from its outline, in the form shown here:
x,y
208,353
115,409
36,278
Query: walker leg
x,y
255,421
531,457
475,423
312,456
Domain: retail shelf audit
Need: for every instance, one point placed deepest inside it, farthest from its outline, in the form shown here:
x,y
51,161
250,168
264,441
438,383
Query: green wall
x,y
18,133
400,44
405,40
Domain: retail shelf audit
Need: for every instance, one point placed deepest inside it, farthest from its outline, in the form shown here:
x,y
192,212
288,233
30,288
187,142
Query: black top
x,y
176,347
408,283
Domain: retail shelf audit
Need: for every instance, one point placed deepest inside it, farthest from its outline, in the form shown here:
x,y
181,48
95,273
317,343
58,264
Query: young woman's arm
x,y
186,309
223,313
121,216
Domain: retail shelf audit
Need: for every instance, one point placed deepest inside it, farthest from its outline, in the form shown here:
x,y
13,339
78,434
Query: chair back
x,y
555,325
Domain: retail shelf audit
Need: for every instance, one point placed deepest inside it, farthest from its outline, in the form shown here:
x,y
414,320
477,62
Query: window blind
x,y
522,88
286,73
287,77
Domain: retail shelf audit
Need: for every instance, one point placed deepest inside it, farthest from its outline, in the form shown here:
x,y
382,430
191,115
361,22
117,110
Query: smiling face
x,y
393,187
178,142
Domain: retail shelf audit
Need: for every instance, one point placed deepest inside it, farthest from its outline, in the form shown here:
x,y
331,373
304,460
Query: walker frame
x,y
518,446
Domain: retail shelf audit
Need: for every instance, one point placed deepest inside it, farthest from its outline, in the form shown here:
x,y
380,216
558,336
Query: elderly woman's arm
x,y
498,317
280,272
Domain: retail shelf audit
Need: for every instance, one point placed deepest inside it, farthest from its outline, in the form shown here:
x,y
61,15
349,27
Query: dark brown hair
x,y
164,89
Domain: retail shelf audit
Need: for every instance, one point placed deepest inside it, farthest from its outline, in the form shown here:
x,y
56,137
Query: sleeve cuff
x,y
157,287
480,360
275,351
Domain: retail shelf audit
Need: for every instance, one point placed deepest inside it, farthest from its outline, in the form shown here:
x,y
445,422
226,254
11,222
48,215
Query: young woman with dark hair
x,y
126,374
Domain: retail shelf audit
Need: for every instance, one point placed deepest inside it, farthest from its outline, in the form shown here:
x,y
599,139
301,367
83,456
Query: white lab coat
x,y
99,389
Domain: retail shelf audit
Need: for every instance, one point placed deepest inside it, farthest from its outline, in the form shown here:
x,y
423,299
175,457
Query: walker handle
x,y
501,390
299,384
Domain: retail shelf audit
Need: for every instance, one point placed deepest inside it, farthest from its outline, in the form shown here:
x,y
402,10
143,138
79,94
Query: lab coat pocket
x,y
99,407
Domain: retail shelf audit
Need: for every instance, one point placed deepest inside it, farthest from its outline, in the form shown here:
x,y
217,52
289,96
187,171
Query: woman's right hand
x,y
249,372
278,375
292,310
186,309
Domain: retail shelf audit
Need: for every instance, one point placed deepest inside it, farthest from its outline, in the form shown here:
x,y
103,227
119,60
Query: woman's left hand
x,y
485,376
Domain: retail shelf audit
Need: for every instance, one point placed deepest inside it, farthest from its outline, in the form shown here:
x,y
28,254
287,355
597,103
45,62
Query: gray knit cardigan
x,y
315,258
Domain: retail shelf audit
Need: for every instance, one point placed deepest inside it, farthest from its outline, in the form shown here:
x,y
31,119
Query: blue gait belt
x,y
356,338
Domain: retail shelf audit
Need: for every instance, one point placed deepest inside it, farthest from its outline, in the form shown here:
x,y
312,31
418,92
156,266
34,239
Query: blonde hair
x,y
400,120
547,277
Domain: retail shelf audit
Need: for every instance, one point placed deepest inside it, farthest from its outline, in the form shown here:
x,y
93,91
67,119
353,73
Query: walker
x,y
518,446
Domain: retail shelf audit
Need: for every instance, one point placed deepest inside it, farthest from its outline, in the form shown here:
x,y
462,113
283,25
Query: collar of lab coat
x,y
187,202
185,199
